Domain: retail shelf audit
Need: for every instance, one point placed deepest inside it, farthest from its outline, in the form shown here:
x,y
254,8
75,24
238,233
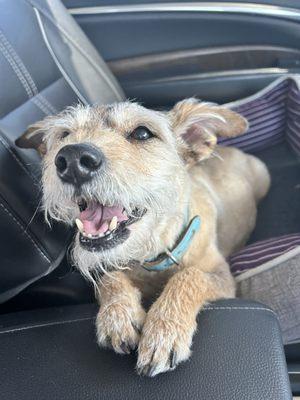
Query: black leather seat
x,y
46,64
52,354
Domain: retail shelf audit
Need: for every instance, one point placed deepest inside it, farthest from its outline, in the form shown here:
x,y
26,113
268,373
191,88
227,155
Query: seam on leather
x,y
35,244
12,292
15,68
82,51
17,159
24,328
55,59
40,101
239,308
31,87
11,58
26,74
40,106
13,64
19,62
47,103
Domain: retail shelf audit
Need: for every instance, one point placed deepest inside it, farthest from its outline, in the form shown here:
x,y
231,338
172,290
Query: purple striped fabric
x,y
273,115
261,252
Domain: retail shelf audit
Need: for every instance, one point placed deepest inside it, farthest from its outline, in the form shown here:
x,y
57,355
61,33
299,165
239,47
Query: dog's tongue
x,y
96,217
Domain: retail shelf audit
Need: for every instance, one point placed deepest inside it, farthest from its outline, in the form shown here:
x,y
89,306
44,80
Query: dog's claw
x,y
108,343
125,347
147,370
136,328
151,369
117,331
163,346
172,359
132,346
143,370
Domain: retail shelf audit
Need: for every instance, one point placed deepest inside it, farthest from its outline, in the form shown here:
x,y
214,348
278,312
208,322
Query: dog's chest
x,y
150,283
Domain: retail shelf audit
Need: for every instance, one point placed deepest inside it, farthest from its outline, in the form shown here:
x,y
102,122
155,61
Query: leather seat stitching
x,y
40,105
47,103
40,101
19,62
239,308
19,75
26,73
15,69
26,233
92,318
23,328
75,44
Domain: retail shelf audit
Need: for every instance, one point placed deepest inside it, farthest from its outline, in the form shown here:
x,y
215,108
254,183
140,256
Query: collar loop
x,y
171,257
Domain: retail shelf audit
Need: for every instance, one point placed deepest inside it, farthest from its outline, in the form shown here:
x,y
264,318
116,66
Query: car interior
x,y
56,53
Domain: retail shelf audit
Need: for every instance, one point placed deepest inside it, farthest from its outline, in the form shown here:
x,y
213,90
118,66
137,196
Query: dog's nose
x,y
78,163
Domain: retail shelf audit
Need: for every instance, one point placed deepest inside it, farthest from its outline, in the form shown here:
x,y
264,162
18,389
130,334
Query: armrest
x,y
49,354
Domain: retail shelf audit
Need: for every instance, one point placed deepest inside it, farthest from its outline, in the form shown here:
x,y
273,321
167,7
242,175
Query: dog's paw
x,y
163,345
119,327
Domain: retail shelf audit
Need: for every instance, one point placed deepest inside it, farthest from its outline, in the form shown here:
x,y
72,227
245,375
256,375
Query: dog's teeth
x,y
79,224
113,223
101,234
107,233
90,235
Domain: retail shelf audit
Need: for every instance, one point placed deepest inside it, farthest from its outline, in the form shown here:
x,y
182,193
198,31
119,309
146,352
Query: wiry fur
x,y
174,172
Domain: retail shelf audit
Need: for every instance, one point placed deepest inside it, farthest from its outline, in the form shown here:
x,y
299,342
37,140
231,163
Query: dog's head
x,y
120,173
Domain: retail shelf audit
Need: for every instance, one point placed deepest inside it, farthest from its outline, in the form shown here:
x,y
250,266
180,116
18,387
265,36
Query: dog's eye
x,y
64,134
141,133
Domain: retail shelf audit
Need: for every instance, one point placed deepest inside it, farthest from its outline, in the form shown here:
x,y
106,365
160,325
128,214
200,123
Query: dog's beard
x,y
157,206
140,244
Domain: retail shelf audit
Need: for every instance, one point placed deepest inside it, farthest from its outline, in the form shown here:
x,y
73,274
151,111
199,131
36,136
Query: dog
x,y
135,180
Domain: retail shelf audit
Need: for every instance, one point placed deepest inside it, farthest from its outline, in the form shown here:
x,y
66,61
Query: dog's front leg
x,y
171,321
121,315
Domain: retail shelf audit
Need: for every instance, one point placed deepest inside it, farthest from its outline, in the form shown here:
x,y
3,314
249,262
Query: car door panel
x,y
161,52
219,74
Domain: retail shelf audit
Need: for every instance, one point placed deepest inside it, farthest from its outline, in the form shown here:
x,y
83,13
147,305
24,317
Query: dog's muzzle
x,y
78,163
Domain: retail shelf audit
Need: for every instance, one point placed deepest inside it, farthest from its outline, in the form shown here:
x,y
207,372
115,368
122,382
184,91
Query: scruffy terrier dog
x,y
134,180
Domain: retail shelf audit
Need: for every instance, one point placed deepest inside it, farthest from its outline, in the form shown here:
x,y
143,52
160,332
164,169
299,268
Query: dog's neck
x,y
173,256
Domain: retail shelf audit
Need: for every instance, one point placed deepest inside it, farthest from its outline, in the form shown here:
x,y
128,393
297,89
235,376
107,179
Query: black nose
x,y
78,163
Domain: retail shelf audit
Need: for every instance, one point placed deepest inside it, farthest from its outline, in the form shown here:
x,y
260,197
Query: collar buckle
x,y
171,257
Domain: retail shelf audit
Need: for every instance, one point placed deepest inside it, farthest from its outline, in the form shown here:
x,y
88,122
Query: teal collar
x,y
171,257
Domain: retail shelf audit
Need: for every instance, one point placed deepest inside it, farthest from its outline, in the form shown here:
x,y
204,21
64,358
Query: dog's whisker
x,y
34,214
217,155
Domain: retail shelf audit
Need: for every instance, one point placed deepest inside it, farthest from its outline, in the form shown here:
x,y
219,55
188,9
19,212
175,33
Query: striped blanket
x,y
273,115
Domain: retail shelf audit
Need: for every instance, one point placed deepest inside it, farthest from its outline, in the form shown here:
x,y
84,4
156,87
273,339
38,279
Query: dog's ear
x,y
32,138
197,126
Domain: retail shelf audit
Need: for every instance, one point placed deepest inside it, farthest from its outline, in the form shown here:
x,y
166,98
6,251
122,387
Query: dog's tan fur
x,y
181,168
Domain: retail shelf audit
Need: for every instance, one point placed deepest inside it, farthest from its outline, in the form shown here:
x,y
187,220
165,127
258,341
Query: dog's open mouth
x,y
103,227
